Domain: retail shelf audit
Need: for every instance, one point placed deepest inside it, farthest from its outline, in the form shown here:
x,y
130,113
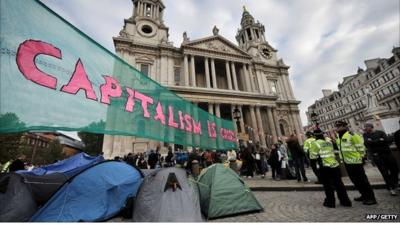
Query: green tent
x,y
223,193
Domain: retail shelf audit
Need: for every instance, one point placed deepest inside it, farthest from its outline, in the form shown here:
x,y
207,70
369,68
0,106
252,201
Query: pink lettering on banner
x,y
196,127
181,119
171,121
79,80
130,102
212,133
110,89
145,101
188,120
26,55
160,114
227,134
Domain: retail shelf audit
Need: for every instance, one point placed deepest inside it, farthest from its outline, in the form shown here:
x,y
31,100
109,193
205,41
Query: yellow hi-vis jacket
x,y
351,148
307,146
325,152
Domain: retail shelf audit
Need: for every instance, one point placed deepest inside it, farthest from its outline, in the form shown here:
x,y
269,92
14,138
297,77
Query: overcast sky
x,y
321,41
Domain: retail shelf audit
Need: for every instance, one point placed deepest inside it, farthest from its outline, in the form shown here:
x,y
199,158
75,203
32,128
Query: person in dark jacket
x,y
248,162
298,157
169,160
153,159
377,144
275,161
397,138
18,164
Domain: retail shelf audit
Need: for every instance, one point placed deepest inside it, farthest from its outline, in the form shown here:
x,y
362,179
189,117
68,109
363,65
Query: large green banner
x,y
54,77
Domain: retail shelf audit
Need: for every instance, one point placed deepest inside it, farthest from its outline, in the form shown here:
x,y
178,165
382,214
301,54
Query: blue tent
x,y
68,167
95,194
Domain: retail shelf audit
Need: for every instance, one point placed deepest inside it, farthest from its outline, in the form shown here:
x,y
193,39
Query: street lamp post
x,y
237,116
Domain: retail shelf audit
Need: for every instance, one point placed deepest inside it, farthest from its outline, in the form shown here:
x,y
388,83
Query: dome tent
x,y
22,194
167,195
223,193
69,166
95,194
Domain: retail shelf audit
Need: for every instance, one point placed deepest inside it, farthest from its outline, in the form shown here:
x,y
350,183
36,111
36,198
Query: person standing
x,y
352,150
311,154
397,138
377,144
298,157
248,162
153,159
275,161
330,172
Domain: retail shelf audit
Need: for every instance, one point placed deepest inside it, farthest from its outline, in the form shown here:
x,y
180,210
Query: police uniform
x,y
330,174
351,151
310,151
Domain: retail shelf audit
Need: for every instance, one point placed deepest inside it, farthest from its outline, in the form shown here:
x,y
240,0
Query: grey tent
x,y
20,195
166,195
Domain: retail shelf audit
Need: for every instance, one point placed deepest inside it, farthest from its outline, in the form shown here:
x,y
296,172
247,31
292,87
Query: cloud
x,y
321,41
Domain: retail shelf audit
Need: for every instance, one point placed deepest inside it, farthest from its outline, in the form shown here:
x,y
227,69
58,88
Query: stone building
x,y
213,73
381,77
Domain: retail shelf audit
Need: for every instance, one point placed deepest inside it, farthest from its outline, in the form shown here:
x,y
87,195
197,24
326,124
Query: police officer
x,y
377,144
310,151
352,150
330,173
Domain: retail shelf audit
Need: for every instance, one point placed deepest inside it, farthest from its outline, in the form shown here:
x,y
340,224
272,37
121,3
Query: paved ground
x,y
307,206
267,184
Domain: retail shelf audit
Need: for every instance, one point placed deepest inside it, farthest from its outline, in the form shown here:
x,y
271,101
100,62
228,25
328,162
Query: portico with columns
x,y
212,72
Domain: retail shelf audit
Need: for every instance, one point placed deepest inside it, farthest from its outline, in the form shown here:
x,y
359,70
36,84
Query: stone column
x,y
171,71
234,77
253,86
260,126
207,70
267,88
186,70
300,127
285,84
228,75
246,77
108,144
217,110
140,8
214,76
211,108
254,123
275,116
192,71
241,119
290,89
272,124
260,82
233,119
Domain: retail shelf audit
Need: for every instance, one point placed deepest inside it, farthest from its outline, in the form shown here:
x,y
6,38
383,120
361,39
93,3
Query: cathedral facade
x,y
213,73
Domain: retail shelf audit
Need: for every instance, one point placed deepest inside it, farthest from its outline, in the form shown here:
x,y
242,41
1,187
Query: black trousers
x,y
331,180
387,165
315,169
357,175
299,167
276,171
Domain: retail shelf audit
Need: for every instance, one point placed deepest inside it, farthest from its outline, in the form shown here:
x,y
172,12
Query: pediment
x,y
218,44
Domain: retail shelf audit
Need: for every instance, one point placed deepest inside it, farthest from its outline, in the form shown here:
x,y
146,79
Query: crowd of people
x,y
287,160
